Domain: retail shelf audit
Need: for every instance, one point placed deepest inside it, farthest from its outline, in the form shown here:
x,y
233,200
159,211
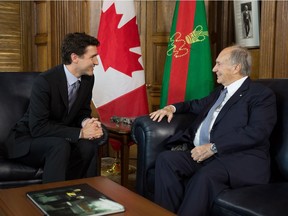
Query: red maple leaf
x,y
115,42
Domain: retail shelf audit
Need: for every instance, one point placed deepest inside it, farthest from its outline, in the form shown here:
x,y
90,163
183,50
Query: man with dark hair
x,y
57,130
229,140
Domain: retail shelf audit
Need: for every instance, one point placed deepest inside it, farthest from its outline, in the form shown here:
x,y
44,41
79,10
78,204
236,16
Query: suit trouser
x,y
61,159
186,187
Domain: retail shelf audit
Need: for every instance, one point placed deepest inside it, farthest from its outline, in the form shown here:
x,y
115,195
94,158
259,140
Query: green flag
x,y
188,67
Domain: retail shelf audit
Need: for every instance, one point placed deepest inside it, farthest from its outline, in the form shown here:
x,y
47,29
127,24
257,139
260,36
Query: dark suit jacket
x,y
241,131
47,115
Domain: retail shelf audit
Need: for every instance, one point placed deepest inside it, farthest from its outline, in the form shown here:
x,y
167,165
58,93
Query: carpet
x,y
110,167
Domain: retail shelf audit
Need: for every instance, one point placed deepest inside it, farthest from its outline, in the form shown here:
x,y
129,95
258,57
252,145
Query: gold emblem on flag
x,y
181,49
197,35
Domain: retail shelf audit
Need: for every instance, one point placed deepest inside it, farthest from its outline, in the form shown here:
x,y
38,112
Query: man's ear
x,y
237,68
74,58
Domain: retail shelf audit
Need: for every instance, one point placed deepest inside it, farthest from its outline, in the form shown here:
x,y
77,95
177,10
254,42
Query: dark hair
x,y
76,43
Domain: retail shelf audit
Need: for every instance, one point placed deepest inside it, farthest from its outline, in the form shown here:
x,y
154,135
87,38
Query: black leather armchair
x,y
270,199
15,89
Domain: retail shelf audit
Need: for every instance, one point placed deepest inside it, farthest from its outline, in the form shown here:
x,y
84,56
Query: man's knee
x,y
60,146
164,157
87,148
211,174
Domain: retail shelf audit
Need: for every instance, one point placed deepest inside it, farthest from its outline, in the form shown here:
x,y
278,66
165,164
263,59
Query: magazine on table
x,y
78,200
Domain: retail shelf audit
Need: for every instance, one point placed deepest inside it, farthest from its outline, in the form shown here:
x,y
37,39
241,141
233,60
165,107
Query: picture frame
x,y
246,17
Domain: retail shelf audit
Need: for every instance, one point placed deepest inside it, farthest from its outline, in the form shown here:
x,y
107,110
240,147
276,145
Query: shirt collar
x,y
233,87
70,77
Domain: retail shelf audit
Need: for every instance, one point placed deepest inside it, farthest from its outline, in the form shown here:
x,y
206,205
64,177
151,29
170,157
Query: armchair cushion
x,y
15,89
268,199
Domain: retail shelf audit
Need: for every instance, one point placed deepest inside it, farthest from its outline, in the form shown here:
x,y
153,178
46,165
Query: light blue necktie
x,y
204,132
72,94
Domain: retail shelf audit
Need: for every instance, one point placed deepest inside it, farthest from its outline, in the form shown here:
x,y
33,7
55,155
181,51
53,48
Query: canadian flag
x,y
119,88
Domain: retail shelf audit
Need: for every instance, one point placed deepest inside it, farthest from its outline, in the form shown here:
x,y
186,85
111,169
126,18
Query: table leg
x,y
125,160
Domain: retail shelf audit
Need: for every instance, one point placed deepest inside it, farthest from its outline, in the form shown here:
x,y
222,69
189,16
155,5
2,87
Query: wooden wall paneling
x,y
94,17
159,20
281,41
53,20
15,34
10,34
255,63
220,18
66,17
60,23
220,25
255,53
267,39
85,13
42,38
26,35
212,14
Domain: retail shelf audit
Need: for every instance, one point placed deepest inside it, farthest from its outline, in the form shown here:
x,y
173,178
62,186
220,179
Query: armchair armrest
x,y
151,137
104,138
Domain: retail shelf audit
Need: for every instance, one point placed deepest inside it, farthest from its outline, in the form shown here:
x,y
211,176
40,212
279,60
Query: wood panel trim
x,y
10,34
281,42
267,40
26,35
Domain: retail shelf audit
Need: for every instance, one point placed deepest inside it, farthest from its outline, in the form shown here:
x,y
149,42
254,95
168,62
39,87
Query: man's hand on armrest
x,y
166,111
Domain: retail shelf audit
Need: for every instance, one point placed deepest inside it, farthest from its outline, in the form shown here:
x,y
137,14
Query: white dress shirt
x,y
231,89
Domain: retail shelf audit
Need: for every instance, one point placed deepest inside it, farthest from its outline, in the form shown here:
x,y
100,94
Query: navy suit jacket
x,y
47,114
240,132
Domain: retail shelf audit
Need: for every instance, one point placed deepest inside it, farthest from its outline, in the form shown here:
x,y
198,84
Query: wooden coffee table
x,y
13,202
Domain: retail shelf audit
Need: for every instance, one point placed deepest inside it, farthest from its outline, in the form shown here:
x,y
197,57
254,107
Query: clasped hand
x,y
91,129
201,153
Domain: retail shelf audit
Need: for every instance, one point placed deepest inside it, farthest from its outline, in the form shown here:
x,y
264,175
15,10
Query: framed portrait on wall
x,y
246,16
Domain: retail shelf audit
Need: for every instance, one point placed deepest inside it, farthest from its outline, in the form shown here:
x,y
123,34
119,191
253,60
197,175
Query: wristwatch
x,y
213,148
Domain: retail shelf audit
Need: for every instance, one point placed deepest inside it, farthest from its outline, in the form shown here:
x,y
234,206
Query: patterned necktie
x,y
72,94
205,130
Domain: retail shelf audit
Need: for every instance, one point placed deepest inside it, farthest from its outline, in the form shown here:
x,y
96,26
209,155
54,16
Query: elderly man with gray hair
x,y
227,144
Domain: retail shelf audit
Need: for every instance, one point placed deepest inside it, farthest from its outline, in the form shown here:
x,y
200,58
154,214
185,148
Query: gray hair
x,y
240,55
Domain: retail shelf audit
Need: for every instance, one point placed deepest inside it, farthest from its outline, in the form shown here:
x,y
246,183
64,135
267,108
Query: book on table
x,y
78,200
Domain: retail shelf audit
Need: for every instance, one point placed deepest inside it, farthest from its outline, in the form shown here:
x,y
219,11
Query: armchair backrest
x,y
279,137
15,89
